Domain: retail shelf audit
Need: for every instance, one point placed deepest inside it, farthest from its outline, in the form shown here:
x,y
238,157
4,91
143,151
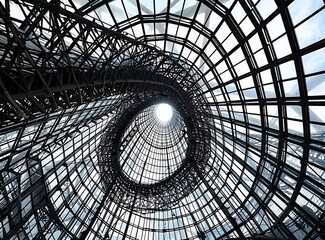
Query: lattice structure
x,y
149,164
83,154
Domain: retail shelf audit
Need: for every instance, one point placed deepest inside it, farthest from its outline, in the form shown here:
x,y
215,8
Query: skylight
x,y
164,112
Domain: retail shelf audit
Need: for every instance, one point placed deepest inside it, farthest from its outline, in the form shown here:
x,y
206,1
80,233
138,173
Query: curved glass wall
x,y
157,147
84,153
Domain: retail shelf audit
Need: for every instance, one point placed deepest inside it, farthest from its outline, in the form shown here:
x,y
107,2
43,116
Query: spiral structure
x,y
143,119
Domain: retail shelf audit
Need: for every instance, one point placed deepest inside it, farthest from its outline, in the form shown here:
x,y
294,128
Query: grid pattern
x,y
255,68
156,149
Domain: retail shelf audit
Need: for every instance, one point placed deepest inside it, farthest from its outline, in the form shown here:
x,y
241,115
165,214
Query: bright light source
x,y
164,112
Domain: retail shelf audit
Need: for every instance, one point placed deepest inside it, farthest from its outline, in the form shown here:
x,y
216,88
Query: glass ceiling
x,y
83,154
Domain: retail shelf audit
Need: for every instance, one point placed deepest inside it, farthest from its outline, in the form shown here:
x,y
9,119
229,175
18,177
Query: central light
x,y
164,112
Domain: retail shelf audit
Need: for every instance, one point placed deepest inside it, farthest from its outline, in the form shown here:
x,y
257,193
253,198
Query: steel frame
x,y
66,78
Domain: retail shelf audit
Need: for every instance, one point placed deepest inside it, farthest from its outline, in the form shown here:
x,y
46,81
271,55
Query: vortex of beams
x,y
148,164
84,155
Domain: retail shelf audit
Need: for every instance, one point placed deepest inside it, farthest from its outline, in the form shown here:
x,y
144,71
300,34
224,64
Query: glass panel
x,y
275,27
266,7
282,47
314,61
310,31
316,85
288,70
247,26
300,9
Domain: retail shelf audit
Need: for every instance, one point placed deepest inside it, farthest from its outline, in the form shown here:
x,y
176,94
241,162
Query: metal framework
x,y
83,154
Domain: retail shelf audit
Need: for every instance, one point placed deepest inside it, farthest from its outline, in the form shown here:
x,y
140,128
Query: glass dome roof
x,y
84,155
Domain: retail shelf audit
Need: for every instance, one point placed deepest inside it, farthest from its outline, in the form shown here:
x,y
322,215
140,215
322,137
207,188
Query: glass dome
x,y
86,152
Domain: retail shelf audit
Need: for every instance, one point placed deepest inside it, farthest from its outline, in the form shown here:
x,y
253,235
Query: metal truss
x,y
124,133
41,72
84,156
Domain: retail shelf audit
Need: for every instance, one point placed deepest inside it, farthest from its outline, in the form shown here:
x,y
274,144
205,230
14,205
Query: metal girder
x,y
56,61
74,67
